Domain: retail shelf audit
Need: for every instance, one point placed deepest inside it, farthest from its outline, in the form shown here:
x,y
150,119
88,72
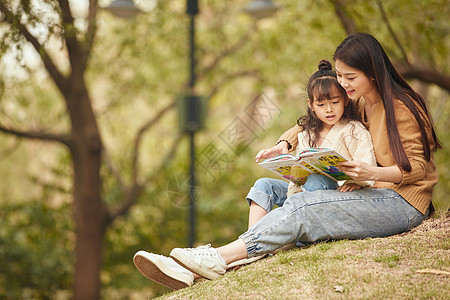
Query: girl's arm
x,y
280,148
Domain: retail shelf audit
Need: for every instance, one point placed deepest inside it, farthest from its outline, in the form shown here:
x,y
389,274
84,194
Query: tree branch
x,y
232,76
131,196
391,31
133,193
70,36
113,170
134,190
38,135
92,24
230,50
140,135
13,20
167,158
425,74
340,7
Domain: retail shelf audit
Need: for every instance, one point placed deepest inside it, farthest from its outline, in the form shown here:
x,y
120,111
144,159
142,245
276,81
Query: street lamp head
x,y
260,9
123,8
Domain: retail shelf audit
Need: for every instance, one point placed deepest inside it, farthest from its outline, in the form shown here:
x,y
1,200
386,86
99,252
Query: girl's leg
x,y
263,196
256,212
316,182
233,251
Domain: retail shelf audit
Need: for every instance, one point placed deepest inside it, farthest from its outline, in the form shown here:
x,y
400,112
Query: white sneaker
x,y
203,260
246,261
163,270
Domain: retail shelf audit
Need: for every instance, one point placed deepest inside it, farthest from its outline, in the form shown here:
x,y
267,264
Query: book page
x,y
327,163
281,157
299,175
289,170
313,160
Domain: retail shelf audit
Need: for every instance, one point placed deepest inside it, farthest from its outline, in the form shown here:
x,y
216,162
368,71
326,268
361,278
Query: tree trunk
x,y
90,212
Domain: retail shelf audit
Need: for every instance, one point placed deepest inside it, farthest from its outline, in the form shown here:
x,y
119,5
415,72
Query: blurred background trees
x,y
131,73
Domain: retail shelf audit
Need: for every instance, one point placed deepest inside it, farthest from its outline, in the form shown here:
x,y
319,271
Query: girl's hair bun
x,y
324,65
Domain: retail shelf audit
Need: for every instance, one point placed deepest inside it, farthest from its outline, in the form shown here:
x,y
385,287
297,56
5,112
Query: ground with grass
x,y
413,265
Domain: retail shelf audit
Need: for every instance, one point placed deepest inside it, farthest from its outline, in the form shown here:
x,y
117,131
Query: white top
x,y
349,138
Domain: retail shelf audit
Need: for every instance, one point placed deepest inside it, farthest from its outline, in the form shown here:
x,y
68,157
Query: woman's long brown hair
x,y
363,52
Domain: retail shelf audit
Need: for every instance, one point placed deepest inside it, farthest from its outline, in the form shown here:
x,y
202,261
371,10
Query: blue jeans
x,y
309,217
268,192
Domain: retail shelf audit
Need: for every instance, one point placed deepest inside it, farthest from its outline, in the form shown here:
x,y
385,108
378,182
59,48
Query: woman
x,y
404,141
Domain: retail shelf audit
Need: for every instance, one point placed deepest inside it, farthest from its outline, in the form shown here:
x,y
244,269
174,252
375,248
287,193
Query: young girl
x,y
331,123
405,175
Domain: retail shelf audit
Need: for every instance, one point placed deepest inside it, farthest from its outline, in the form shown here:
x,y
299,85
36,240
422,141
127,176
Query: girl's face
x,y
329,111
355,82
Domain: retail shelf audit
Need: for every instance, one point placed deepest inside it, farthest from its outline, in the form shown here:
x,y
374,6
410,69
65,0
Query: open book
x,y
309,161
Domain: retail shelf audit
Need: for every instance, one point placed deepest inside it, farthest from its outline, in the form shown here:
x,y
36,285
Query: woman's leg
x,y
329,215
309,217
263,196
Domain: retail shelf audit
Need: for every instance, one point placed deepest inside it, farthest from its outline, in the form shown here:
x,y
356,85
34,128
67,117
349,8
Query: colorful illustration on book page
x,y
328,163
299,175
285,171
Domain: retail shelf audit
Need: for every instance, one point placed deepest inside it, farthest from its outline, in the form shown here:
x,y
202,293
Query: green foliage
x,y
36,243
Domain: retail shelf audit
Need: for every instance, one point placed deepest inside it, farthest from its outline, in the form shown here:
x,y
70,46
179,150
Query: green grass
x,y
381,268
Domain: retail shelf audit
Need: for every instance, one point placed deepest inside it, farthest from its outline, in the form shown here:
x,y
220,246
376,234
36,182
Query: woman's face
x,y
355,82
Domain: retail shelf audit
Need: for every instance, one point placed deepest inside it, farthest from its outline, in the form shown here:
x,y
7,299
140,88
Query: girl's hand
x,y
349,187
281,148
358,170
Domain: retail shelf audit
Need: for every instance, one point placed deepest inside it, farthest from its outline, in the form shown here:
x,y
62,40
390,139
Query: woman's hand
x,y
280,148
358,170
362,171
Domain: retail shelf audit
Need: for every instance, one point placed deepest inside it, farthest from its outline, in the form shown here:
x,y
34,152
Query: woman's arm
x,y
362,171
291,137
410,136
287,142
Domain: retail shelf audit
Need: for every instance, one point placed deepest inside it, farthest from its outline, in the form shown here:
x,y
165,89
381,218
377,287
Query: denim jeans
x,y
268,192
320,215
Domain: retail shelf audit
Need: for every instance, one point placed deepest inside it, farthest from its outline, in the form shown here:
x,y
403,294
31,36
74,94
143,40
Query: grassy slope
x,y
380,268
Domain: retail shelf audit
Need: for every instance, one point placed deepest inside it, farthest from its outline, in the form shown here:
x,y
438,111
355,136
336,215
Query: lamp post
x,y
193,113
